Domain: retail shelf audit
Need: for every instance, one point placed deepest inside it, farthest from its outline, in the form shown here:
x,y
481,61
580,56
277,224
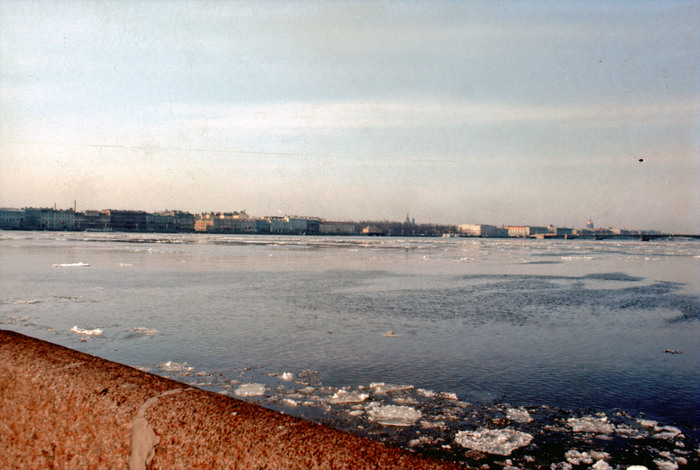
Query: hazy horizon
x,y
493,112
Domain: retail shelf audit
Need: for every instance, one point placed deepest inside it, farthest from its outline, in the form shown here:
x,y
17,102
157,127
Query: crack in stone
x,y
143,439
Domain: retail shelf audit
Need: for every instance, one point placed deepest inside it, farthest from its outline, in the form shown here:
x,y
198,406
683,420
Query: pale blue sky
x,y
499,112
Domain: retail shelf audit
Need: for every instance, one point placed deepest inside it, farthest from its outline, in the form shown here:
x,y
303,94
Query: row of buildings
x,y
240,222
167,221
527,231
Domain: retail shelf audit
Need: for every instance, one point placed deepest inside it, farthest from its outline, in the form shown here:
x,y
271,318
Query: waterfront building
x,y
224,222
170,221
128,221
294,225
11,218
525,230
92,220
44,218
482,230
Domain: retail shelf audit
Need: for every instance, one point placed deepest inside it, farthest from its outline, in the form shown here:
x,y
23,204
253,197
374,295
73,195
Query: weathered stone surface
x,y
60,408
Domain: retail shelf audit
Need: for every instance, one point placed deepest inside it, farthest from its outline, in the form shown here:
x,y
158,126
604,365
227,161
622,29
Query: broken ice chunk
x,y
493,441
591,424
343,397
519,415
250,390
393,415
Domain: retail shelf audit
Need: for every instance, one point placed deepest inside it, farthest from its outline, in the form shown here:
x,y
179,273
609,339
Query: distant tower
x,y
408,219
589,225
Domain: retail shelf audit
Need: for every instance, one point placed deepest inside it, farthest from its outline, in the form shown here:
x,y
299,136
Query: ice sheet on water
x,y
71,265
393,415
250,390
82,331
493,441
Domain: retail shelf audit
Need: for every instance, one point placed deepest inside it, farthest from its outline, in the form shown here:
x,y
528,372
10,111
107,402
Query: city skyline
x,y
501,112
14,218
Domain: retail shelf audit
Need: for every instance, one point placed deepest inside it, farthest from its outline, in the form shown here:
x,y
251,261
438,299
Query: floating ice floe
x,y
393,415
519,415
287,376
493,441
180,367
601,465
81,331
665,464
71,265
591,424
143,331
647,423
574,457
250,390
390,334
344,397
381,388
23,302
668,433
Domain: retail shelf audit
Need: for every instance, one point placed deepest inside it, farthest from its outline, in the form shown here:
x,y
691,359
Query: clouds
x,y
375,105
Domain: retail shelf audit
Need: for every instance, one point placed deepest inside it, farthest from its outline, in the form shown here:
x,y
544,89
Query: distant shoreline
x,y
631,237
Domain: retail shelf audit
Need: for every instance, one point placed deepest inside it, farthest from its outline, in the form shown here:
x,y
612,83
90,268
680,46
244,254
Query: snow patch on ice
x,y
250,390
82,331
393,415
71,265
493,441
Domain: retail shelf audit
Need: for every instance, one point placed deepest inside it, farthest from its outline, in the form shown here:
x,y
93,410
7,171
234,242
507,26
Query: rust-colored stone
x,y
60,408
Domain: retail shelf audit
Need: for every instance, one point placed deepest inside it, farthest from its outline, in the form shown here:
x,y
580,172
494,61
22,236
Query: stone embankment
x,y
60,408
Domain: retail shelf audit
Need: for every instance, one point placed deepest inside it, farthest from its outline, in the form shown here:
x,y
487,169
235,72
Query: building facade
x,y
482,230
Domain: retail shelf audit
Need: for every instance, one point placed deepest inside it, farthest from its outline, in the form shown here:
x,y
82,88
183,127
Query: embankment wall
x,y
60,408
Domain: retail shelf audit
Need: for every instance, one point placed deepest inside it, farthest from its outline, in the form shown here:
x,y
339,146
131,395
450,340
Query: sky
x,y
455,112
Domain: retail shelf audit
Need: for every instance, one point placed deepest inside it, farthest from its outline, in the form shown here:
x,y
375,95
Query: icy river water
x,y
499,352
